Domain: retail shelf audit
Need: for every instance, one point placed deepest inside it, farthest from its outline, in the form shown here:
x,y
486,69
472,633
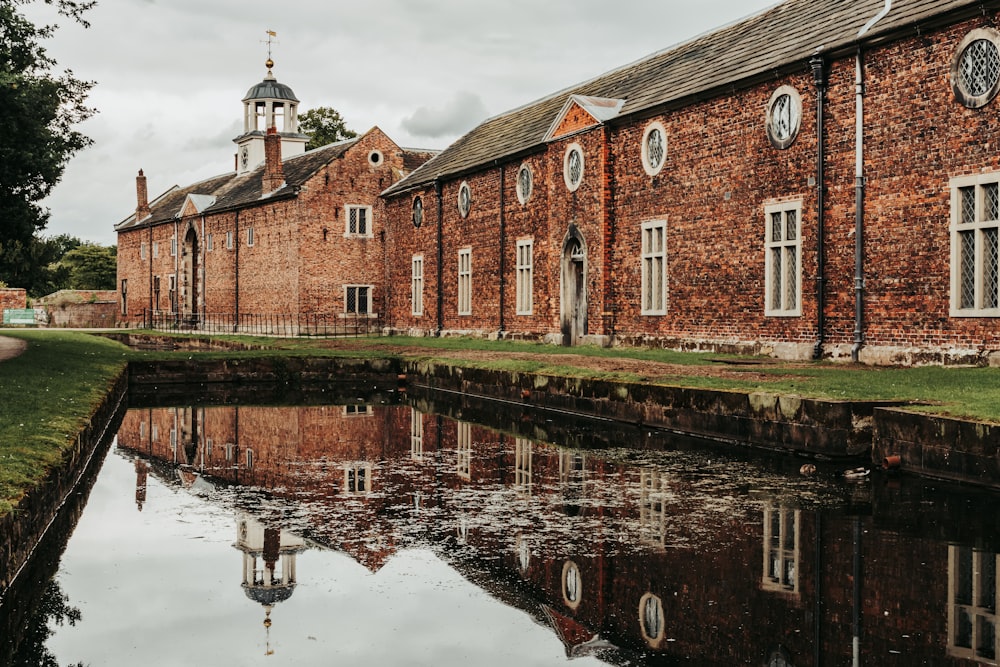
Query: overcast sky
x,y
171,74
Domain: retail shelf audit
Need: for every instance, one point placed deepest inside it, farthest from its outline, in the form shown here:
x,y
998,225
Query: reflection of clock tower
x,y
268,104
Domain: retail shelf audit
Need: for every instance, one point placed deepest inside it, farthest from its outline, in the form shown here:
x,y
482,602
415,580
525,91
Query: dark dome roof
x,y
270,89
272,595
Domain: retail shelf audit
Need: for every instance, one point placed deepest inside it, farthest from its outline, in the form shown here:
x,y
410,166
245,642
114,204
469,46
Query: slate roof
x,y
775,40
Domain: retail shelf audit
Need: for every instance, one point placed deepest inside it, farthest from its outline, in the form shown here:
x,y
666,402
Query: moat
x,y
387,530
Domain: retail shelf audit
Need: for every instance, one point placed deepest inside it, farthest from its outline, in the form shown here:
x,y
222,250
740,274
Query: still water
x,y
397,535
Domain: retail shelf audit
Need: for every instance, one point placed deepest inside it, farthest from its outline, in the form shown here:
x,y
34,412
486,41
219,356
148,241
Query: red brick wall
x,y
11,297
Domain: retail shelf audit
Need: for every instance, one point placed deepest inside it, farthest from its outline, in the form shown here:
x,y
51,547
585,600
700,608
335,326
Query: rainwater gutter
x,y
503,252
859,187
818,65
438,190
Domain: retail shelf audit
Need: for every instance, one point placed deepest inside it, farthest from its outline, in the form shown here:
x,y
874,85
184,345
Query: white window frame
x,y
347,290
417,285
525,183
416,435
173,246
523,481
978,228
361,214
787,248
156,249
654,265
358,479
209,244
980,610
463,450
142,250
250,236
465,281
525,276
650,168
571,185
229,240
464,199
782,529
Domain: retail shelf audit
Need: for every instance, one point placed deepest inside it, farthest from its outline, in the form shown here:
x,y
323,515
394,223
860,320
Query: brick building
x,y
819,179
289,231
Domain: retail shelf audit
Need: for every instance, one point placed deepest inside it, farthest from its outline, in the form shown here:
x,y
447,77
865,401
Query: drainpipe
x,y
204,272
236,243
820,78
859,208
503,254
175,246
438,190
150,275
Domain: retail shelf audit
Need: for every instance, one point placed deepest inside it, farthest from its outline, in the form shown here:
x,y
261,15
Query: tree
x,y
38,109
324,125
91,267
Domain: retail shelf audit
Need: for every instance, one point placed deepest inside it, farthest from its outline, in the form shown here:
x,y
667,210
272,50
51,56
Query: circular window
x,y
464,199
375,158
573,167
571,584
784,113
524,183
651,618
654,148
975,69
418,211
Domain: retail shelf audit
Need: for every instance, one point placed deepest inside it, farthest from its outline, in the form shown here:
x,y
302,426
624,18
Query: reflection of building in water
x,y
972,604
141,477
269,554
781,551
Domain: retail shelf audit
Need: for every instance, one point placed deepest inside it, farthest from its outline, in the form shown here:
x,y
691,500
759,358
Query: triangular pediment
x,y
194,204
582,112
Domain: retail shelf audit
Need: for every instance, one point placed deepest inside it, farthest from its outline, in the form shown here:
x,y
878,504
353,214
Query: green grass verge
x,y
46,396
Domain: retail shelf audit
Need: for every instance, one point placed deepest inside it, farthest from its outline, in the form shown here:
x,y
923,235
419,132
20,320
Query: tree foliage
x,y
324,125
91,267
38,109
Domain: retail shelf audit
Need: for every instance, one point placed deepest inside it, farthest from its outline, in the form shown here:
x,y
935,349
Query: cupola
x,y
268,104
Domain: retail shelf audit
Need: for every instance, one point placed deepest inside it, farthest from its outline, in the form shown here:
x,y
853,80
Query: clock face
x,y
244,157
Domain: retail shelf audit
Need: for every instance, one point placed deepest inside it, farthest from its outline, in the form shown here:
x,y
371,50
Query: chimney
x,y
142,197
274,177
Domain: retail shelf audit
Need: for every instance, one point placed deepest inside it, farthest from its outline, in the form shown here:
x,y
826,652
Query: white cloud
x,y
456,116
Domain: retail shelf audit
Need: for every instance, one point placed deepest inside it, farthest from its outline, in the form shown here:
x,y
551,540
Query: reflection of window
x,y
155,432
462,530
249,458
142,430
358,410
781,550
463,464
358,479
522,465
653,490
972,604
523,552
651,618
572,586
416,435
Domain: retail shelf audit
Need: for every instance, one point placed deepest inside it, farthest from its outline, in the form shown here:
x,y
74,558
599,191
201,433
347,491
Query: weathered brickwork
x,y
13,298
721,171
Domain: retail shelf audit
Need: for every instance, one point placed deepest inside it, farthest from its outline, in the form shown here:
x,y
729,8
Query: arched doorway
x,y
573,274
190,286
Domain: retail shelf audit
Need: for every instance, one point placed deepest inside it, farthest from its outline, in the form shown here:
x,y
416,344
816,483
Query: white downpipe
x,y
875,19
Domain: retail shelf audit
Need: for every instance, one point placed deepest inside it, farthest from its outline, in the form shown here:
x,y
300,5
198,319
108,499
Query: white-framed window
x,y
781,550
357,299
154,432
525,276
250,237
358,479
972,604
572,584
654,148
975,68
654,268
654,493
975,228
464,199
522,465
156,249
142,430
375,158
173,246
417,285
651,619
209,244
525,183
573,166
783,259
358,410
463,450
229,240
784,115
465,281
358,220
416,435
418,212
142,250
249,458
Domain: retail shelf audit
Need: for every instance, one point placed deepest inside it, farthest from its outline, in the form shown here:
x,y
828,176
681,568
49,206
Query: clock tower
x,y
268,104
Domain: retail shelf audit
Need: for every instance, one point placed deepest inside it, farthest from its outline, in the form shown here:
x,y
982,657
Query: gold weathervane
x,y
269,41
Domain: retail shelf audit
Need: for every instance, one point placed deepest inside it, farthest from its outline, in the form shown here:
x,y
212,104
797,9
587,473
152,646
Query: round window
x,y
418,212
573,167
375,158
464,199
651,618
524,183
571,584
654,148
784,113
975,69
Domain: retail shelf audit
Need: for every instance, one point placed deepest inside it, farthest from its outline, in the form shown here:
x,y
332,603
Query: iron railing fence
x,y
264,324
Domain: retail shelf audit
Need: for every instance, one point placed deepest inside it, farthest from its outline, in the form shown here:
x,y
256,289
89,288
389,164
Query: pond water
x,y
391,534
